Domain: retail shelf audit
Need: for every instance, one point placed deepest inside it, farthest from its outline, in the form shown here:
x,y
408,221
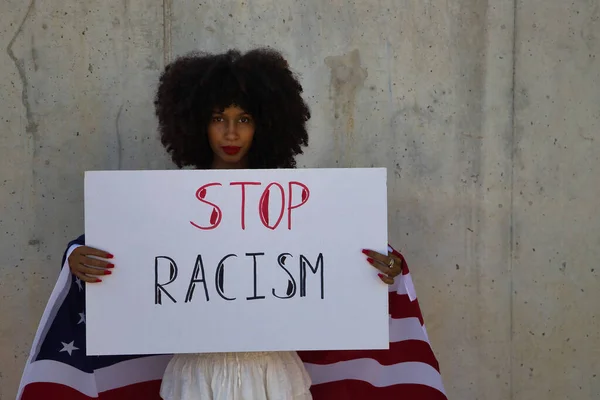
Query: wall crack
x,y
32,126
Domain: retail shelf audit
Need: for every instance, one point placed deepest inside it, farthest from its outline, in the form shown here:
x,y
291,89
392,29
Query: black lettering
x,y
219,277
194,279
159,287
255,297
291,288
303,263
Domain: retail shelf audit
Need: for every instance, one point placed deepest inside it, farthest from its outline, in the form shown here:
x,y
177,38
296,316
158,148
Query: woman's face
x,y
230,134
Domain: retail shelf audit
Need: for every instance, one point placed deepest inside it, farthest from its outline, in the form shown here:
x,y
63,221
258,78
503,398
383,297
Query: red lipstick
x,y
231,150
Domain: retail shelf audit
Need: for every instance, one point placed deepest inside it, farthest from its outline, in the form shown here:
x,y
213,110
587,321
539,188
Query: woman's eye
x,y
217,119
245,120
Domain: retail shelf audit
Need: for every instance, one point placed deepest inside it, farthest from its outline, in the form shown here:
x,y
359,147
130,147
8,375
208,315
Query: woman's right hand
x,y
87,263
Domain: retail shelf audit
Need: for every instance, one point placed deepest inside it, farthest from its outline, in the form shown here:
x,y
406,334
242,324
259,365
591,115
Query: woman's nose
x,y
231,131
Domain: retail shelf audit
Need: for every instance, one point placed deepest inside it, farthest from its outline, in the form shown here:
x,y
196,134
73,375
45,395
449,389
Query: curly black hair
x,y
260,82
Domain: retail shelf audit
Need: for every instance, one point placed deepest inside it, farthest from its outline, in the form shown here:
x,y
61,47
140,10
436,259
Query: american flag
x,y
58,368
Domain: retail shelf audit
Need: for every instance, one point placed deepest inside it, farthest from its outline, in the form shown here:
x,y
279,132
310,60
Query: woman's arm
x,y
87,263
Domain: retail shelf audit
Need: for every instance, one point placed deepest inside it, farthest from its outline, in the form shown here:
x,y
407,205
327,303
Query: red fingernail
x,y
107,272
366,252
370,260
110,256
110,266
380,275
98,280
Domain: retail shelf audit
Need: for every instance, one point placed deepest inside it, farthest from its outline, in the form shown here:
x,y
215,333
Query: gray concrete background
x,y
485,114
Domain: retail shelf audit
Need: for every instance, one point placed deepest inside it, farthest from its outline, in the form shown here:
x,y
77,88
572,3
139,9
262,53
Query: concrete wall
x,y
485,115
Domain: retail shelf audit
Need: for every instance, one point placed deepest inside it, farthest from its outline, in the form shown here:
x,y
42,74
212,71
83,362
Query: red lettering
x,y
263,206
216,215
305,196
243,185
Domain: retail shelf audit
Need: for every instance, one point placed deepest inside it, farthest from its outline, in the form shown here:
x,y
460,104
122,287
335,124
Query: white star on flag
x,y
81,318
78,282
69,348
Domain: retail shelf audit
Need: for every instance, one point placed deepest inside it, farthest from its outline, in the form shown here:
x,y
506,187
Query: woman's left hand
x,y
390,265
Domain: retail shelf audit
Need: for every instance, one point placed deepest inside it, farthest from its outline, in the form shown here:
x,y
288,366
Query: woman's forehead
x,y
231,109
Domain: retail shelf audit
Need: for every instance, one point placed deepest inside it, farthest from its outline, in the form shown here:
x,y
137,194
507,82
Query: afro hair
x,y
260,82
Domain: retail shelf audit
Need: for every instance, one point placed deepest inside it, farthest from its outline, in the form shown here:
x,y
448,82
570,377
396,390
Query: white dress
x,y
236,376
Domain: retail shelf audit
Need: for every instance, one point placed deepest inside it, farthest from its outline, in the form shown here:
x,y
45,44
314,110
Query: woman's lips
x,y
231,150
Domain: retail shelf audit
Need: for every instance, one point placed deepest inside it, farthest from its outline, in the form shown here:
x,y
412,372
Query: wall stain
x,y
347,76
472,136
167,31
581,133
409,125
563,267
590,27
151,65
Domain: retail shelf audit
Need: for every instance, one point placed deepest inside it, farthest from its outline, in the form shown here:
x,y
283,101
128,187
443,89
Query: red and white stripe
x,y
407,370
134,379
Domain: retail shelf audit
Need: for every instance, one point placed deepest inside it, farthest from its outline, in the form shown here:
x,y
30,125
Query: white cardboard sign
x,y
236,260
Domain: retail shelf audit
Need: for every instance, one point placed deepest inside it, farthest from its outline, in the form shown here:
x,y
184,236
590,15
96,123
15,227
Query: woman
x,y
230,111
